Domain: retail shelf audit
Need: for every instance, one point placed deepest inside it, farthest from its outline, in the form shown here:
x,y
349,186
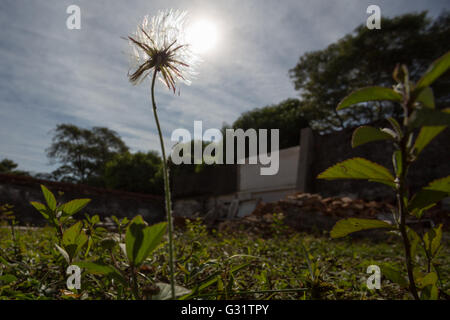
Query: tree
x,y
285,116
83,153
9,166
366,58
138,172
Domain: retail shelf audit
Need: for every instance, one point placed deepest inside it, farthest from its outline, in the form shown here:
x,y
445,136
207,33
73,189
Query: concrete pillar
x,y
305,160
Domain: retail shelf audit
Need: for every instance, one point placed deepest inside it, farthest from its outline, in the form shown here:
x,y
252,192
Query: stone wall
x,y
19,191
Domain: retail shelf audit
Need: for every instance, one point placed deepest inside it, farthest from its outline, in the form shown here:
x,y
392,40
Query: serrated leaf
x,y
141,240
49,198
365,134
369,94
359,168
350,225
437,68
431,194
73,206
442,184
426,135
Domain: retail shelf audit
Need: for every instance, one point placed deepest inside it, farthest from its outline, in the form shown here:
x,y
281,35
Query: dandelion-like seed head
x,y
159,45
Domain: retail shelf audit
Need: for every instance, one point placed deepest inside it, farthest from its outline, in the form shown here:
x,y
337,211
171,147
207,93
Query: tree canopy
x,y
286,116
138,172
83,153
365,58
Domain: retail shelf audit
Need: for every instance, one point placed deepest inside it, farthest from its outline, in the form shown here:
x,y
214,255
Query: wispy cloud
x,y
51,75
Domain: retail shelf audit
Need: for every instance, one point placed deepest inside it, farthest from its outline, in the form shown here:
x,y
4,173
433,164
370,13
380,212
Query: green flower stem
x,y
166,189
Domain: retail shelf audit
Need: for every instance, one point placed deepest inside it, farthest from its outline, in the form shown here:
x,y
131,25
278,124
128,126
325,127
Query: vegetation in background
x,y
367,58
9,166
83,153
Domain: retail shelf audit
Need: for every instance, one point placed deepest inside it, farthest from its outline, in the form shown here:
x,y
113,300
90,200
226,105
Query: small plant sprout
x,y
421,123
159,48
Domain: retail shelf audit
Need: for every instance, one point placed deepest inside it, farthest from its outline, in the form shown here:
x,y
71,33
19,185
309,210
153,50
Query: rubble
x,y
312,212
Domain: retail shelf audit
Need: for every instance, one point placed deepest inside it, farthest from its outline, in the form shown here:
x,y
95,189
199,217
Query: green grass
x,y
220,265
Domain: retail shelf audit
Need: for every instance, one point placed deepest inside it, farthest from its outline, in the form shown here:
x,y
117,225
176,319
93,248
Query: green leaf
x,y
74,239
46,212
367,134
431,194
436,242
7,278
63,253
437,68
429,117
414,240
101,268
359,168
442,184
429,280
74,206
49,198
350,225
394,275
369,94
426,135
426,98
141,240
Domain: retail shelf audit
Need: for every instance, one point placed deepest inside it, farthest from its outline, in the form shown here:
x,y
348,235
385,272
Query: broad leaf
x,y
102,269
367,134
429,280
74,206
49,198
426,98
437,68
442,184
74,239
359,168
350,225
46,212
429,117
431,194
369,94
394,275
426,135
141,240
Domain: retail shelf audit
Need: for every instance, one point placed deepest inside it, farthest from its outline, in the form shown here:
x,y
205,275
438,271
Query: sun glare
x,y
202,35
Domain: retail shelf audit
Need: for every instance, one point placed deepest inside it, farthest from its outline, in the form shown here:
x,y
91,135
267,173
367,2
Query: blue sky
x,y
51,75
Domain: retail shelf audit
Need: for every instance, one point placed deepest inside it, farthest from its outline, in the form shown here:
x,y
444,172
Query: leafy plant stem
x,y
401,196
166,190
134,284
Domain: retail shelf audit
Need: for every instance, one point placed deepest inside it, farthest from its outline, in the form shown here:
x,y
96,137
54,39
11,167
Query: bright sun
x,y
202,35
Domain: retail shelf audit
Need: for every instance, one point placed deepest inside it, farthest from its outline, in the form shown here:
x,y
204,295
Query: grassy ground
x,y
220,265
